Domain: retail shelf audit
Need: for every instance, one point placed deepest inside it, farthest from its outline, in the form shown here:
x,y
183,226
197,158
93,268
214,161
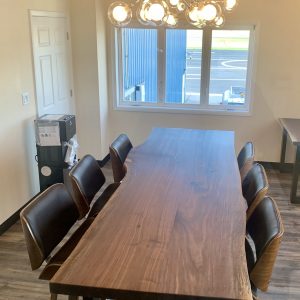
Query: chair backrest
x,y
87,178
46,220
245,159
266,229
119,150
254,187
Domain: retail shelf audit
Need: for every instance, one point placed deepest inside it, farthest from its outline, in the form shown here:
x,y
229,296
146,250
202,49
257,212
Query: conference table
x,y
174,229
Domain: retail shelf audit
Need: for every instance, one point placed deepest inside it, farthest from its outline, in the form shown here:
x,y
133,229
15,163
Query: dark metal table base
x,y
296,169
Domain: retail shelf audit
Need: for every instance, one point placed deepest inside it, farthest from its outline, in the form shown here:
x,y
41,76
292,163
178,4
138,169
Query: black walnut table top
x,y
174,229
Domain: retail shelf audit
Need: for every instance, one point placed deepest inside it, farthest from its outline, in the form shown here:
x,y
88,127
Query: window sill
x,y
182,110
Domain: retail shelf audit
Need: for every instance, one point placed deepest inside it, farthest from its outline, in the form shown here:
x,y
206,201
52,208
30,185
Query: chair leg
x,y
53,297
254,292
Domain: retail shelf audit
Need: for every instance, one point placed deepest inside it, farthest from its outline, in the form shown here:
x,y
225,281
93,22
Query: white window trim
x,y
204,107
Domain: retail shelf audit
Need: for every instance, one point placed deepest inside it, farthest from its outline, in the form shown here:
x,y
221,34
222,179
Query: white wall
x,y
85,69
18,169
275,86
102,75
88,22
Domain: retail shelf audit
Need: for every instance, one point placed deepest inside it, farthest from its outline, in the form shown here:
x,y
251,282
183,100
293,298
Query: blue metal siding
x,y
175,64
140,60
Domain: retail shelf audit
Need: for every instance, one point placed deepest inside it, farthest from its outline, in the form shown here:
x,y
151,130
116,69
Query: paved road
x,y
228,68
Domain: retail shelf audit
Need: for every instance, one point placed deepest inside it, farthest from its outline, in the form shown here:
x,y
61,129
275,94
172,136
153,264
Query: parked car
x,y
235,95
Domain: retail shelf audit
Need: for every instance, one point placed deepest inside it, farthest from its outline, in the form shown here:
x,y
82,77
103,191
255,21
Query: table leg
x,y
283,150
296,171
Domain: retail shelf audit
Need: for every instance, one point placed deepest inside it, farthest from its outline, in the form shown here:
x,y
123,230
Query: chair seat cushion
x,y
63,253
103,199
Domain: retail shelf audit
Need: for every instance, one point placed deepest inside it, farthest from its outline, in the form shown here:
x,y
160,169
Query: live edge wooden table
x,y
174,229
291,128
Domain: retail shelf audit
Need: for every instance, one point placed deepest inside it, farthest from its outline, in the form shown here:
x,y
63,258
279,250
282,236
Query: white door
x,y
52,63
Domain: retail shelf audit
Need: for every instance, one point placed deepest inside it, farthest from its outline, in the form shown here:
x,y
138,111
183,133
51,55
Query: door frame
x,y
53,14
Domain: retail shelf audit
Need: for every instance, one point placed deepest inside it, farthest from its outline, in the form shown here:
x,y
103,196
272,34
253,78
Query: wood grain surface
x,y
173,230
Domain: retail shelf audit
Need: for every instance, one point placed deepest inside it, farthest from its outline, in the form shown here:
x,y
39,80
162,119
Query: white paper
x,y
71,155
49,135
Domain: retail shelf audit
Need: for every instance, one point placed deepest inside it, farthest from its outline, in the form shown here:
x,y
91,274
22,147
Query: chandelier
x,y
199,13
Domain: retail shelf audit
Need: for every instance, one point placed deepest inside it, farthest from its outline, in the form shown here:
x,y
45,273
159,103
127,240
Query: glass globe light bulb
x,y
180,6
119,13
208,13
230,4
174,2
220,21
141,15
171,20
156,12
194,14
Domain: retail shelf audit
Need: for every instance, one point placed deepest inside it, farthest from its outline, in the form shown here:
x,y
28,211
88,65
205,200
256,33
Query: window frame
x,y
204,107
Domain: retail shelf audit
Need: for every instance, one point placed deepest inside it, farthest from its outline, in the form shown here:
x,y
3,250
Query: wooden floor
x,y
17,281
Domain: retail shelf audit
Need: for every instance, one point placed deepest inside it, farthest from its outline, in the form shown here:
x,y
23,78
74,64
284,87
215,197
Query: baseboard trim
x,y
285,168
14,218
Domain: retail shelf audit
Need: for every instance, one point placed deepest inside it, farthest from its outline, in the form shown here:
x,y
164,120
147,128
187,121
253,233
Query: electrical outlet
x,y
25,98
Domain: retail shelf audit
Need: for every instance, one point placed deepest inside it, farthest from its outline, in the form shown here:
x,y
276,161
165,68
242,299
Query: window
x,y
184,69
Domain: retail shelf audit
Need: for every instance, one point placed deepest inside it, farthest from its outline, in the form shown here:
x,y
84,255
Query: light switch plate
x,y
25,98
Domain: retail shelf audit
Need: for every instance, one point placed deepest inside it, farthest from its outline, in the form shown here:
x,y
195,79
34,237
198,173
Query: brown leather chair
x,y
255,186
265,229
87,179
119,150
46,221
245,159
